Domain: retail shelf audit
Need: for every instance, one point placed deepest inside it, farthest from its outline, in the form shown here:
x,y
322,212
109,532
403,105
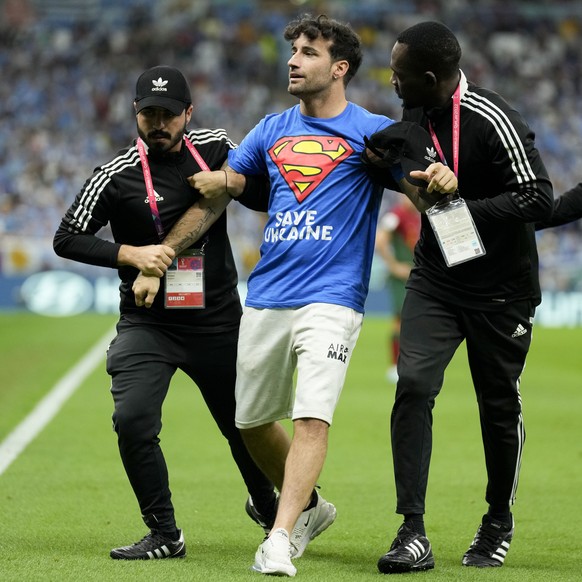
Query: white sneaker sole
x,y
274,569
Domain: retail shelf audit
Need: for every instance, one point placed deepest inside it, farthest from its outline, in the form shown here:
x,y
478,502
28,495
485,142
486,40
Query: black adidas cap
x,y
407,143
162,87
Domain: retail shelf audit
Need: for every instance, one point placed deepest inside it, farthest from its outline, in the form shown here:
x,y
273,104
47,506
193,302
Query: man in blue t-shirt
x,y
305,301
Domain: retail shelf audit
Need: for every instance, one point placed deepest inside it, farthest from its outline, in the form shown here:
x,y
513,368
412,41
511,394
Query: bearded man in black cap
x,y
193,325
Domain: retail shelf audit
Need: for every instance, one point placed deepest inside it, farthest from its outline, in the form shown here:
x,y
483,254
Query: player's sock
x,y
500,513
415,523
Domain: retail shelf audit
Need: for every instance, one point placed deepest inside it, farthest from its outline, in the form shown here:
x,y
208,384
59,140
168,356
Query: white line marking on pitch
x,y
50,405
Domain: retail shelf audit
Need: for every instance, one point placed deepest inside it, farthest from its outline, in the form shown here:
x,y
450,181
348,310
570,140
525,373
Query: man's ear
x,y
135,107
430,79
340,69
189,113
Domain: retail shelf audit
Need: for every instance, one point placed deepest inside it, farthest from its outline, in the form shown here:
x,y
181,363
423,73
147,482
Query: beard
x,y
161,147
307,89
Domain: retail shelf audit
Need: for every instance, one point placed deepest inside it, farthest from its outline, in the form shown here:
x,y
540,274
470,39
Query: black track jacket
x,y
567,208
507,189
116,194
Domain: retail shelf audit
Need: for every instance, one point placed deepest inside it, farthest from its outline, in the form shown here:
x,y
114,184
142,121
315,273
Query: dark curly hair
x,y
432,46
346,44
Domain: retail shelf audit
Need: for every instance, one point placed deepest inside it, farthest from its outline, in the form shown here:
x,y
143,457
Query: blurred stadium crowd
x,y
68,72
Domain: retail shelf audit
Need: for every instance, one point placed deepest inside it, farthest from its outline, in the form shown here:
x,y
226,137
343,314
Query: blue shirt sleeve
x,y
249,156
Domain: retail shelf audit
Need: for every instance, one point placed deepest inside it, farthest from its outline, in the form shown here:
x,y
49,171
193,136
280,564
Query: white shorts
x,y
317,340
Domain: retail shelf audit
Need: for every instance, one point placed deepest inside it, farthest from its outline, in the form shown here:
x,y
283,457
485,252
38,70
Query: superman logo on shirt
x,y
306,160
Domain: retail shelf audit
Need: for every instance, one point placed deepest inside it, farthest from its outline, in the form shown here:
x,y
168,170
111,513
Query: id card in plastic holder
x,y
455,232
184,287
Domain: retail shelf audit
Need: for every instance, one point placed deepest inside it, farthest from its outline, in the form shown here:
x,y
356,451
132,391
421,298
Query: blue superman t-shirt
x,y
318,242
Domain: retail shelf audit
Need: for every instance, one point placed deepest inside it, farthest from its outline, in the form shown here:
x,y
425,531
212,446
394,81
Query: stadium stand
x,y
68,68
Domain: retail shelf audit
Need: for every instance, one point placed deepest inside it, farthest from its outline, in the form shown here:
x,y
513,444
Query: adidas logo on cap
x,y
162,86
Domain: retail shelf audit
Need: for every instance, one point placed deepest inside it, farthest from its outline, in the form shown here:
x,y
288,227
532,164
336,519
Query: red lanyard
x,y
456,132
147,176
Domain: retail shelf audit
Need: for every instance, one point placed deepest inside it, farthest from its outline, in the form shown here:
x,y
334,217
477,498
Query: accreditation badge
x,y
455,231
185,281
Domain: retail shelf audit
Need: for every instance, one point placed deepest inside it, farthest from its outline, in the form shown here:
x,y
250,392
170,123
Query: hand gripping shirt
x,y
318,241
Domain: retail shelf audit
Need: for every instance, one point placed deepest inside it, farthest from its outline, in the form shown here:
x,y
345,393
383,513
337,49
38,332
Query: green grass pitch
x,y
65,501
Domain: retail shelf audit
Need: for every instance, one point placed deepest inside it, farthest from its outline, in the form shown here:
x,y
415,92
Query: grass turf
x,y
66,501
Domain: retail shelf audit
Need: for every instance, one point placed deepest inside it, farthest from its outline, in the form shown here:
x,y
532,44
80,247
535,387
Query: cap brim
x,y
173,105
408,166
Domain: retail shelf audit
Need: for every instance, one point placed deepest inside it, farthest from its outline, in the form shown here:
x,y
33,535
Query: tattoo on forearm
x,y
184,233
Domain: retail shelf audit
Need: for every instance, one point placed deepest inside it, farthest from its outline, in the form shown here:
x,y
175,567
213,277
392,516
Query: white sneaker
x,y
274,555
392,375
310,524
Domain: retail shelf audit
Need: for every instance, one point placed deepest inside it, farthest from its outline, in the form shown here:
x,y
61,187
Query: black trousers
x,y
497,345
141,361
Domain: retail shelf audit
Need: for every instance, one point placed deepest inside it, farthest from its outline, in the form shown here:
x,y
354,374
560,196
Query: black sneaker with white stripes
x,y
409,552
154,546
490,544
265,521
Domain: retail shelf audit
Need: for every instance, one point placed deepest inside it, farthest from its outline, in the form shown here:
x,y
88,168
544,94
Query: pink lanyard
x,y
147,176
456,132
